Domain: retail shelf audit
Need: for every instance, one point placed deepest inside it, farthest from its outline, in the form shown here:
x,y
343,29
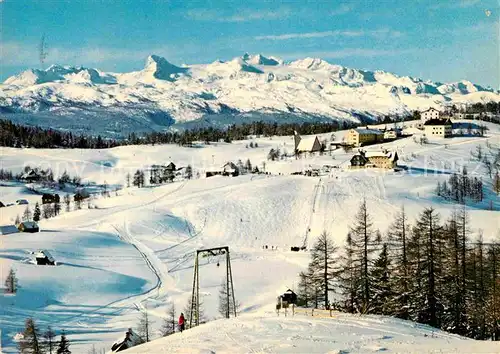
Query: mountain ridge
x,y
309,88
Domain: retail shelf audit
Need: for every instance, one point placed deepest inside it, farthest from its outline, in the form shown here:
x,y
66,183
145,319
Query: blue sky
x,y
433,39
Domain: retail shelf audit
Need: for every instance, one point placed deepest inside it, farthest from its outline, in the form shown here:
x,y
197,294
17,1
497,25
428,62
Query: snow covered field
x,y
342,334
135,251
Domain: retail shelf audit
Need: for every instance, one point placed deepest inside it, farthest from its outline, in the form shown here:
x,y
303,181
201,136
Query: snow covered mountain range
x,y
251,87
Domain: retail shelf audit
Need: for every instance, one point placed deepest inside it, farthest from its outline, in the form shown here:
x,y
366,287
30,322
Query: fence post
x,y
312,312
330,312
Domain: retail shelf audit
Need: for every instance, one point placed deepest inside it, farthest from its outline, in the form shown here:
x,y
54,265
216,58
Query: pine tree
x,y
170,322
349,278
127,178
226,306
364,243
429,234
36,213
56,207
187,313
138,179
304,292
18,220
27,214
493,300
189,172
47,211
398,236
48,343
11,282
30,344
63,346
323,267
248,166
144,327
67,202
382,297
496,183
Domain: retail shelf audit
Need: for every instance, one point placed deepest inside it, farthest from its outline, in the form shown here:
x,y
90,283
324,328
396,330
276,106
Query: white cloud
x,y
14,53
379,33
244,15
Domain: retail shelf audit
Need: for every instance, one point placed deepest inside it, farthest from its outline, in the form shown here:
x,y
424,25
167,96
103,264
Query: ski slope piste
x,y
134,251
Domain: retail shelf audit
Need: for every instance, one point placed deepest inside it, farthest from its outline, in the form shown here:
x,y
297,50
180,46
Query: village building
x,y
364,136
429,114
230,169
390,134
50,198
44,257
130,340
375,159
28,226
438,128
310,145
8,229
289,296
213,171
171,167
31,176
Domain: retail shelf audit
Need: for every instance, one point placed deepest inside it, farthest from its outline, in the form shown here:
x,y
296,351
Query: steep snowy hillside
x,y
245,88
343,333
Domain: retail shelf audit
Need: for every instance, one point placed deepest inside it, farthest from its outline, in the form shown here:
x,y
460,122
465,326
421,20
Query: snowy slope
x,y
343,333
137,248
163,93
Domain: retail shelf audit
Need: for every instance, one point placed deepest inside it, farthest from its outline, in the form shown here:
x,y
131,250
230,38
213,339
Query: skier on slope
x,y
181,322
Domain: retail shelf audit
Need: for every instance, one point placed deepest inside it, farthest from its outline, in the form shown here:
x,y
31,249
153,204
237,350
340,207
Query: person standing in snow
x,y
181,322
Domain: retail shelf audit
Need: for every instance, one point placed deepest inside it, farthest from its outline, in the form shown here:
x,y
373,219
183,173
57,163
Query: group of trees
x,y
460,187
17,135
431,272
35,342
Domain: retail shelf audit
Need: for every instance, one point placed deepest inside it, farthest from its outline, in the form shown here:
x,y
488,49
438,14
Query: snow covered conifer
x,y
11,282
36,213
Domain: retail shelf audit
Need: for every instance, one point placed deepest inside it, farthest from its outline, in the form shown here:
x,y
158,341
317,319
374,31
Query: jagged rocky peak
x,y
160,68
